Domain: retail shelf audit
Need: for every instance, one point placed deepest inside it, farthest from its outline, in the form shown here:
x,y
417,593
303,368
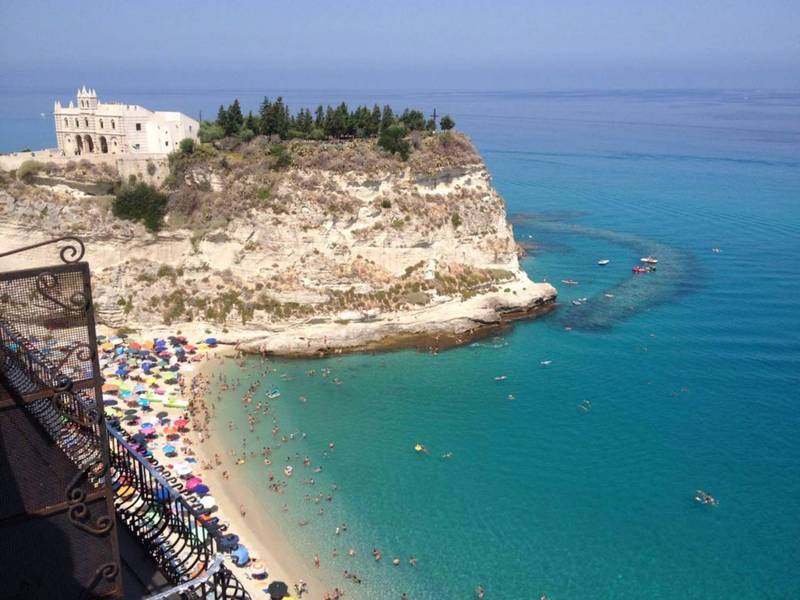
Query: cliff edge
x,y
294,248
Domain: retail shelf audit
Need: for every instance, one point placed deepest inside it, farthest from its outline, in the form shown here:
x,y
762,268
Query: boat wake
x,y
676,275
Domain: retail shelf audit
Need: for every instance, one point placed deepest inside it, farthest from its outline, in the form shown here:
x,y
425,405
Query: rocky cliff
x,y
309,247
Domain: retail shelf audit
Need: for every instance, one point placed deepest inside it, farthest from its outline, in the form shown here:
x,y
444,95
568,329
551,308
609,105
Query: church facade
x,y
94,127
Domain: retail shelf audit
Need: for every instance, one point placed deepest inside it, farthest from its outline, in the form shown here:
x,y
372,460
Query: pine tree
x,y
235,118
222,118
387,119
264,116
447,123
375,120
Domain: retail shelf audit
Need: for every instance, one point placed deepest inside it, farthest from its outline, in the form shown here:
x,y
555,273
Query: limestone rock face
x,y
314,257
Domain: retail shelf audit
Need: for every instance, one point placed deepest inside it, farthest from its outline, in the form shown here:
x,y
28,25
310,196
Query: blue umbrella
x,y
240,556
228,542
110,402
169,449
201,489
211,341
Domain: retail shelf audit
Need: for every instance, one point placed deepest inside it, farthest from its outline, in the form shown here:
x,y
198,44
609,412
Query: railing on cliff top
x,y
48,357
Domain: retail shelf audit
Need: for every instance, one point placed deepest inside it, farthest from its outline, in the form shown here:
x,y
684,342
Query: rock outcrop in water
x,y
345,248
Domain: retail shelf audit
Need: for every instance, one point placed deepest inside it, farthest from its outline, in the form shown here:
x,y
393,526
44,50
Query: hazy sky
x,y
407,43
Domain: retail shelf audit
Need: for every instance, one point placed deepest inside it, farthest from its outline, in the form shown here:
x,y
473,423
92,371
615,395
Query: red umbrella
x,y
181,423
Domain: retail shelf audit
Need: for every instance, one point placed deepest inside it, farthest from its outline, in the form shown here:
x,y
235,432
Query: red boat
x,y
638,269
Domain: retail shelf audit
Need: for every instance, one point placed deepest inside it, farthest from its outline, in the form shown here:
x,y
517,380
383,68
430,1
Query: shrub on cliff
x,y
187,145
28,169
281,158
447,123
393,139
210,132
141,203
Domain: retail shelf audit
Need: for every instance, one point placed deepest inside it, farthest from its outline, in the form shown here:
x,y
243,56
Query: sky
x,y
365,44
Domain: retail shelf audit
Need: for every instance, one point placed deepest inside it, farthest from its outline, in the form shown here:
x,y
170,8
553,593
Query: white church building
x,y
93,127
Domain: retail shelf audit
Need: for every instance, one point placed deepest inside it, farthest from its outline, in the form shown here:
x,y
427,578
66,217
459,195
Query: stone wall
x,y
140,165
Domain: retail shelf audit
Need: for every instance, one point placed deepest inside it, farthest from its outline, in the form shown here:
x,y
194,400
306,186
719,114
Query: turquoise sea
x,y
692,372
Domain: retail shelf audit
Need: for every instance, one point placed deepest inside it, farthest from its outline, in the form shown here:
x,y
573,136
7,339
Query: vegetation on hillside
x,y
141,202
276,118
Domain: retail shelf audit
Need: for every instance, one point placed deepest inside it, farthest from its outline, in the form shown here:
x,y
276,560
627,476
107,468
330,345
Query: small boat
x,y
569,282
579,301
420,448
544,363
609,296
274,393
603,262
649,260
716,250
288,470
638,269
501,378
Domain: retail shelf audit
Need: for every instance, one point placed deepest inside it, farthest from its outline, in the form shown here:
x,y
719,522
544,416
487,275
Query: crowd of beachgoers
x,y
155,390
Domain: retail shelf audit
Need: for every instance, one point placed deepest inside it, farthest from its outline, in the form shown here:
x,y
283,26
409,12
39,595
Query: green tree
x,y
414,120
375,120
387,118
235,118
251,122
392,139
447,123
223,119
141,202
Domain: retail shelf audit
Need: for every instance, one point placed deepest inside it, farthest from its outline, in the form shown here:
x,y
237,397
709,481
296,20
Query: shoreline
x,y
430,329
280,557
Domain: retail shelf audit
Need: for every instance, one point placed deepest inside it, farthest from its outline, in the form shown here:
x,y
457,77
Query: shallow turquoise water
x,y
692,373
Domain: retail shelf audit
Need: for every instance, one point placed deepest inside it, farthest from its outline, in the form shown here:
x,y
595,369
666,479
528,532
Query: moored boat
x,y
638,269
649,260
603,262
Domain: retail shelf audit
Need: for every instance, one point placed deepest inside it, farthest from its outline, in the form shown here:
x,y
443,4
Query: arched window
x,y
77,123
86,121
101,123
113,125
66,122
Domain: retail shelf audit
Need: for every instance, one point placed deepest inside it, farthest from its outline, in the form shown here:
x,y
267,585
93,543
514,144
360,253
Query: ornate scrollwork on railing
x,y
81,350
108,571
77,301
78,512
71,253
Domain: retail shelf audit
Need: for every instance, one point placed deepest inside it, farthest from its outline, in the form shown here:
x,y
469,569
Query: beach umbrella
x,y
161,414
278,590
144,402
258,571
147,429
208,502
240,555
181,423
228,542
201,489
193,483
169,449
131,411
183,470
110,402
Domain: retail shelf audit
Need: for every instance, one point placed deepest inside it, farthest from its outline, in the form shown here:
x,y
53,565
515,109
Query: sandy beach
x,y
201,444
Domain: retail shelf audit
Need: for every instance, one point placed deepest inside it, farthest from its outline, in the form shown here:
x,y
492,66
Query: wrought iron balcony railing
x,y
48,363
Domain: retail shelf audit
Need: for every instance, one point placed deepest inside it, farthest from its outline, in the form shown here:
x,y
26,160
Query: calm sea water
x,y
692,372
